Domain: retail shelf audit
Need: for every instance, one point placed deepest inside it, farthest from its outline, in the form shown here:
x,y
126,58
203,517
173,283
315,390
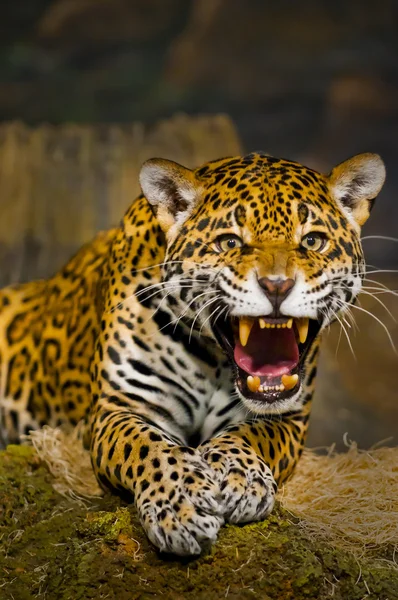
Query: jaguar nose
x,y
276,290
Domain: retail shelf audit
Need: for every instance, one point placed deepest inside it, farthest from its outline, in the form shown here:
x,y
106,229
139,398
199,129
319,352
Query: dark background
x,y
315,81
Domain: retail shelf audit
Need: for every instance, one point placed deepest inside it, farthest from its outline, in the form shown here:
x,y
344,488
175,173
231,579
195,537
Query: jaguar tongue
x,y
269,352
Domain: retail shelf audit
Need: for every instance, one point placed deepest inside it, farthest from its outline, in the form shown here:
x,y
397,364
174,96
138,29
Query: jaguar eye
x,y
314,241
228,241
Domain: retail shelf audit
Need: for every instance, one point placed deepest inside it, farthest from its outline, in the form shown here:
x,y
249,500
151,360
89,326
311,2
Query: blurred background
x,y
315,81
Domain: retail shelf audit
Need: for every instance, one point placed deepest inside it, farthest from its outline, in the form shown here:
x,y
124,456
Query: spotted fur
x,y
123,339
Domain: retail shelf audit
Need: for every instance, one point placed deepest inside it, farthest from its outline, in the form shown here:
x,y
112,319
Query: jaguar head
x,y
263,254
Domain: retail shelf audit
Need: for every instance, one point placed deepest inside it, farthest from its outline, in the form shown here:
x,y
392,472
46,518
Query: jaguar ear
x,y
170,188
356,182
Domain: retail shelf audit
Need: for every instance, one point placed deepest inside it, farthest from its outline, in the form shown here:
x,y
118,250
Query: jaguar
x,y
185,341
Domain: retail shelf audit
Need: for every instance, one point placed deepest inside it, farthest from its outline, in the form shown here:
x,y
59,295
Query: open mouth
x,y
267,354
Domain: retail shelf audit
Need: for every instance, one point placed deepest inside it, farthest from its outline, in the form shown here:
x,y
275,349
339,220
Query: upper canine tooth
x,y
245,327
302,328
262,323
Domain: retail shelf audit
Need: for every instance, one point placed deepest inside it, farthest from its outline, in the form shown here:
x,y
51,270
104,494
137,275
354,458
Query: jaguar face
x,y
262,254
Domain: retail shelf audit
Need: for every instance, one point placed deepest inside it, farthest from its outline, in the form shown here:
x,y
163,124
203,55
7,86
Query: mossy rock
x,y
53,548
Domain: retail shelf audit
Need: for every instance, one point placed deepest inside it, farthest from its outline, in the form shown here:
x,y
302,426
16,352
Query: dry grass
x,y
67,460
350,499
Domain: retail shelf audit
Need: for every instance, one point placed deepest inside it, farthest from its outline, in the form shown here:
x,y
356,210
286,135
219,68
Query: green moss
x,y
109,525
54,549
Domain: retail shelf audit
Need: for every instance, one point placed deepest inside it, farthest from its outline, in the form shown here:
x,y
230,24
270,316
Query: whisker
x,y
380,271
346,307
380,284
347,336
219,315
168,294
372,295
380,290
159,306
189,305
379,237
200,311
353,322
175,286
174,262
162,285
218,308
177,319
380,322
380,302
339,340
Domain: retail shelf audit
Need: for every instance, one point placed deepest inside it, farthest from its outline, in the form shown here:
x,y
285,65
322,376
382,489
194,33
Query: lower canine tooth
x,y
289,323
245,327
262,323
289,381
253,383
302,328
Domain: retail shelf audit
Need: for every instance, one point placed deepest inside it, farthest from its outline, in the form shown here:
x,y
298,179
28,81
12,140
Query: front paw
x,y
247,485
179,502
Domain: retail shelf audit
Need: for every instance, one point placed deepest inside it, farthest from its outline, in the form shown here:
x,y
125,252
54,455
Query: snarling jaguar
x,y
186,339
